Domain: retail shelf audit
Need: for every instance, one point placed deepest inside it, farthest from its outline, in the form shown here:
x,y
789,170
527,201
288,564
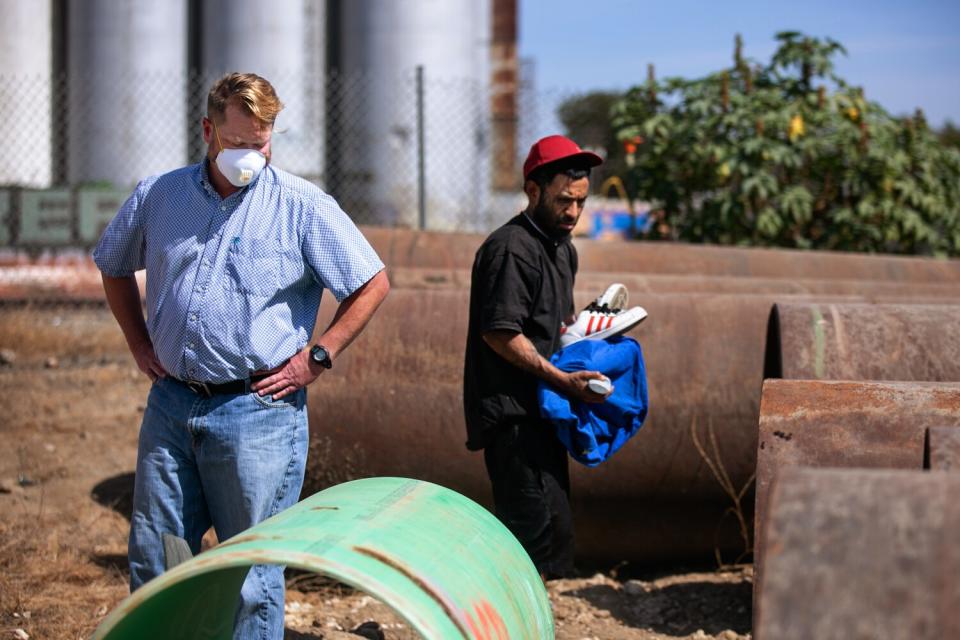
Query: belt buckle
x,y
199,388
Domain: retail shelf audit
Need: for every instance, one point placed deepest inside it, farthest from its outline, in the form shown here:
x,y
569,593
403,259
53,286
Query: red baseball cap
x,y
553,148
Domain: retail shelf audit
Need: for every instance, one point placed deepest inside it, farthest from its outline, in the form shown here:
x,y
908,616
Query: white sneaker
x,y
599,322
615,297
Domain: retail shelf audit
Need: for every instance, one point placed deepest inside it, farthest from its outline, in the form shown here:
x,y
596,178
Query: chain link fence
x,y
407,150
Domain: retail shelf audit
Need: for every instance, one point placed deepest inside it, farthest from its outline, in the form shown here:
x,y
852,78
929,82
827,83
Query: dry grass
x,y
52,586
36,332
718,469
65,427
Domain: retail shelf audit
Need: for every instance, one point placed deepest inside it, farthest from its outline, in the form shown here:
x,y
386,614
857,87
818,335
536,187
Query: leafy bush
x,y
790,155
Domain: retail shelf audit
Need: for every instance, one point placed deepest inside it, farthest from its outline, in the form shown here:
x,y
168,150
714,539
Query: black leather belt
x,y
210,389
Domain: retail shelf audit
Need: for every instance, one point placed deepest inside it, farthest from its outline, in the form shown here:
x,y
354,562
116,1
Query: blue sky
x,y
905,54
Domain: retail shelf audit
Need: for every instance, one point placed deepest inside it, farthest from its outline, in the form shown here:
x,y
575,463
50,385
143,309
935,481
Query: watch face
x,y
320,355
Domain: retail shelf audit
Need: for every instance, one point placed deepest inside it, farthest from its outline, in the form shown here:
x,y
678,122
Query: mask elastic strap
x,y
216,132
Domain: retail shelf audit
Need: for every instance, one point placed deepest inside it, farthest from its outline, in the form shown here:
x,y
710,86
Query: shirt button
x,y
193,316
190,345
223,207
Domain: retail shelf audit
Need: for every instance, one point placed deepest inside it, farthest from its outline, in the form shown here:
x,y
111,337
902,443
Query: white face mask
x,y
240,166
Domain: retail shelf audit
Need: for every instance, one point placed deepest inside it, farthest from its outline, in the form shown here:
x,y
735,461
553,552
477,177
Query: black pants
x,y
527,466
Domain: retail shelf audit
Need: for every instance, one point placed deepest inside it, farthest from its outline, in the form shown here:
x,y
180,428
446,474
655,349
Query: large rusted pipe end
x,y
826,423
835,340
856,553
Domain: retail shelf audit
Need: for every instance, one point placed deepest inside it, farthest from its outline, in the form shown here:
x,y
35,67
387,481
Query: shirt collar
x,y
203,175
543,236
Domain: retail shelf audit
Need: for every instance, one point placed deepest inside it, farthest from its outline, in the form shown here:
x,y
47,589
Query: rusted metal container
x,y
819,423
861,554
407,248
852,341
943,448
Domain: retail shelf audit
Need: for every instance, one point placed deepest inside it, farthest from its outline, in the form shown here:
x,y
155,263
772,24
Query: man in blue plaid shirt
x,y
237,254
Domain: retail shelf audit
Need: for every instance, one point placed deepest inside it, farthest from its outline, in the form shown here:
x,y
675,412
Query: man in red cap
x,y
521,292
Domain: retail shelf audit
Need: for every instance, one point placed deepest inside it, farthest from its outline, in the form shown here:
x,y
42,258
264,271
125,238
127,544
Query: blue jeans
x,y
229,461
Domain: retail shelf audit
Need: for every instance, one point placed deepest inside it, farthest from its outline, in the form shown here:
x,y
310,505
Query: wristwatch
x,y
321,356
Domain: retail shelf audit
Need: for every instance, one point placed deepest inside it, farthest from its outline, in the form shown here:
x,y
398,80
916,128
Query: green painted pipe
x,y
441,561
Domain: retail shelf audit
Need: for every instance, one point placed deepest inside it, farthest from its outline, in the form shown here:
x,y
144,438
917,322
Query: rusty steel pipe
x,y
820,423
851,341
439,250
861,554
637,283
81,279
407,248
393,406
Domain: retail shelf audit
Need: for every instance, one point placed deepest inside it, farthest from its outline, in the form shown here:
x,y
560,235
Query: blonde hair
x,y
250,92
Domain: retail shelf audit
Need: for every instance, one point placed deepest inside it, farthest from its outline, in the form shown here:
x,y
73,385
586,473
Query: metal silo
x,y
127,89
381,44
484,216
25,91
283,41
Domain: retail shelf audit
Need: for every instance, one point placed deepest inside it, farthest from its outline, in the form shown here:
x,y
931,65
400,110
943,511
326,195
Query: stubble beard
x,y
545,218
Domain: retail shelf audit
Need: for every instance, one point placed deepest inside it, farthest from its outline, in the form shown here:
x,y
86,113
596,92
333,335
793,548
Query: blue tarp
x,y
592,432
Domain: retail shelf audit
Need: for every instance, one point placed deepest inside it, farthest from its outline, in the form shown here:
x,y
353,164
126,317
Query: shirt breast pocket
x,y
252,269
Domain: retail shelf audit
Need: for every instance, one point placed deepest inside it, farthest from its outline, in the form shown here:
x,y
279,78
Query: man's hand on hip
x,y
296,373
351,317
146,359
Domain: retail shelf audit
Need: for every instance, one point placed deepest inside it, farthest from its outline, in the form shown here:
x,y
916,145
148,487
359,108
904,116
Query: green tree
x,y
949,135
586,118
788,154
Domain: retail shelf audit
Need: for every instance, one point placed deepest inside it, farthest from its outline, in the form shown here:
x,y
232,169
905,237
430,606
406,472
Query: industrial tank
x,y
127,89
381,44
284,42
26,93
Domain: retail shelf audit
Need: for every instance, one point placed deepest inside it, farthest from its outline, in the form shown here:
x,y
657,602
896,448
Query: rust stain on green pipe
x,y
412,575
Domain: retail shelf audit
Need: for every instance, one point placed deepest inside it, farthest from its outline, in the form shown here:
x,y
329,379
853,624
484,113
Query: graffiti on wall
x,y
56,217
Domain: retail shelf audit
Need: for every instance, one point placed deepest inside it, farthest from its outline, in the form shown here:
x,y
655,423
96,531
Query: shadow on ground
x,y
112,562
368,630
116,493
677,609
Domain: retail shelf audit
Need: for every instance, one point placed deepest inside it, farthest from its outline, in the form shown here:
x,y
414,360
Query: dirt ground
x,y
72,400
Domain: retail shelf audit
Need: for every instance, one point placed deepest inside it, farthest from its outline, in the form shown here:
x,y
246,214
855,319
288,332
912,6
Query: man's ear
x,y
207,127
532,189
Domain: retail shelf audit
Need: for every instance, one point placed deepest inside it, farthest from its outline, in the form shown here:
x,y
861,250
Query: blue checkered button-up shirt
x,y
233,284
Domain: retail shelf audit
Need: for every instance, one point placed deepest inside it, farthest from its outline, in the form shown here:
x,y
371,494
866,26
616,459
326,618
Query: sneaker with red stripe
x,y
599,322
